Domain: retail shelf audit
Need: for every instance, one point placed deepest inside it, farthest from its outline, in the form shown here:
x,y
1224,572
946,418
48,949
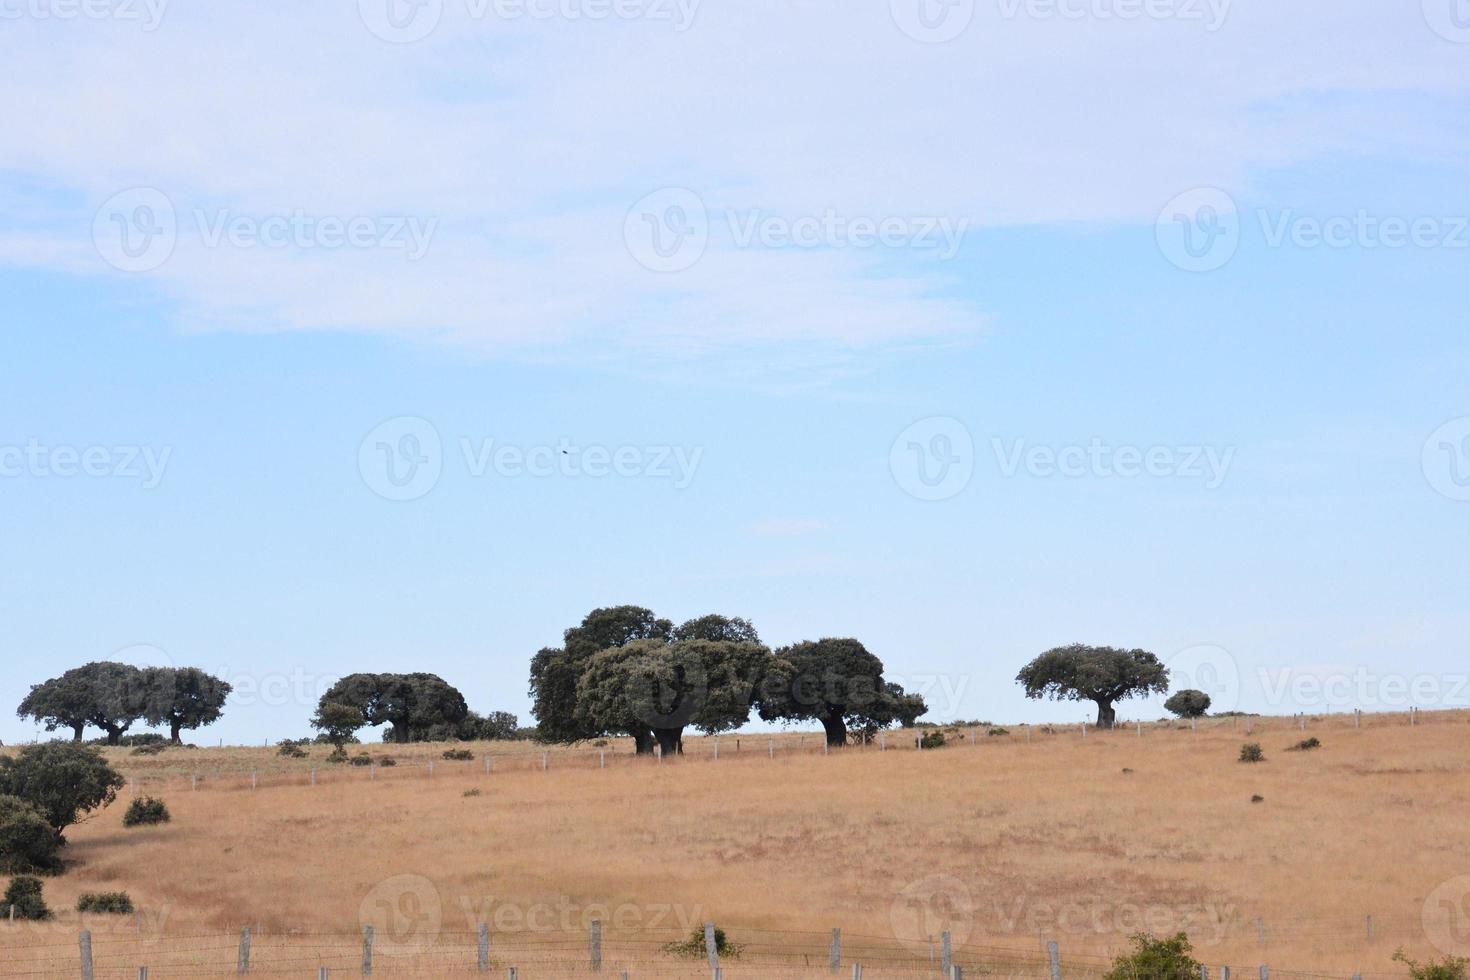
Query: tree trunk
x,y
669,739
1105,714
836,729
643,741
174,727
78,731
115,734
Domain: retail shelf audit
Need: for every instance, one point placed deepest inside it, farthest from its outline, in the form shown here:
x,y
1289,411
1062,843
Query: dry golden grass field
x,y
1005,842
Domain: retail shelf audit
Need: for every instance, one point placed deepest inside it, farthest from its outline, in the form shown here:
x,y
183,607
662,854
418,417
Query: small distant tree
x,y
23,899
184,697
1188,703
1156,959
1101,675
414,706
63,780
339,723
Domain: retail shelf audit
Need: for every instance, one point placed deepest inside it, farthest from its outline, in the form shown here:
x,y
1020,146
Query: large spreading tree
x,y
105,694
1102,675
837,682
182,697
415,706
62,780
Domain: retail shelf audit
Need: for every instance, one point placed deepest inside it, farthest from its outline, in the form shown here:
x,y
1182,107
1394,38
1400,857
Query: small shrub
x,y
1449,968
23,898
1127,771
693,947
459,755
1156,959
601,743
27,842
293,749
107,903
387,762
1257,798
145,811
337,756
362,759
1251,752
997,731
471,792
931,740
150,748
1306,745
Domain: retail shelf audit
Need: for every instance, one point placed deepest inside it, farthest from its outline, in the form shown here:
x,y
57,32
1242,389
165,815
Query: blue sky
x,y
603,211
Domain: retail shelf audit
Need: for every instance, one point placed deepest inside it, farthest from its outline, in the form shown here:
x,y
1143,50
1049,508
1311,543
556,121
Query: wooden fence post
x,y
86,943
253,779
834,952
1370,928
243,967
771,748
545,761
946,954
1054,957
857,971
595,953
367,951
1224,973
510,974
142,973
602,758
711,948
482,959
1265,972
1260,931
487,765
1204,972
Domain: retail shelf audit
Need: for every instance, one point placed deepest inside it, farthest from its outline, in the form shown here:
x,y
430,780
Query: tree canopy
x,y
1102,675
183,697
105,694
63,780
1188,703
837,682
414,706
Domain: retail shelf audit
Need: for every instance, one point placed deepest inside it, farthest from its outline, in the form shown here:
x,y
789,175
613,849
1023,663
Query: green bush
x,y
387,762
693,947
362,759
931,740
294,749
64,780
1306,745
145,811
150,748
1257,798
998,731
1251,752
1156,959
459,755
27,842
1449,968
23,898
107,903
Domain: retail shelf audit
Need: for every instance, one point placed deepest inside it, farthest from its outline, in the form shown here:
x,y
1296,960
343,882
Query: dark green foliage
x,y
1188,703
387,762
108,695
64,780
293,748
932,740
105,903
693,948
27,842
459,755
183,697
1156,959
145,811
997,731
1449,968
414,706
338,723
836,682
1251,752
1257,798
716,629
23,899
1306,745
362,759
1101,675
